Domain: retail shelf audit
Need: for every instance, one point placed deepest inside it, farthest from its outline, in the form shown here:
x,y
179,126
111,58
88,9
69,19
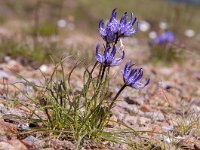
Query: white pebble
x,y
163,25
44,68
144,26
189,33
152,35
61,23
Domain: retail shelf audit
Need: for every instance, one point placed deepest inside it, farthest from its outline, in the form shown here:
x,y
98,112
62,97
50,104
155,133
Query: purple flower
x,y
108,58
132,76
166,37
115,30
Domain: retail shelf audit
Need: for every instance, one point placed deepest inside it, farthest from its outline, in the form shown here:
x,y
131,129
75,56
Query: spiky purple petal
x,y
133,76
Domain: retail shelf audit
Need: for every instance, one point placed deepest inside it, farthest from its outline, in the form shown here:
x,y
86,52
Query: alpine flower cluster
x,y
164,38
115,30
132,76
111,33
108,59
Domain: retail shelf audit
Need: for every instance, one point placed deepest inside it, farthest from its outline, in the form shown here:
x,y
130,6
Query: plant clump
x,y
81,115
162,48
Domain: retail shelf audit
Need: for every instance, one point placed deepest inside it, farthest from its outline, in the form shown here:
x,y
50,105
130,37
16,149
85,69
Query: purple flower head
x,y
108,58
132,76
166,37
115,30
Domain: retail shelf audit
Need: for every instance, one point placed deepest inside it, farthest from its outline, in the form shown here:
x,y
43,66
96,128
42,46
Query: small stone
x,y
167,128
113,121
152,35
57,144
168,140
146,108
130,100
14,66
118,113
12,145
132,120
23,126
189,33
196,102
3,74
43,68
163,25
144,26
134,100
18,145
8,128
12,111
197,146
195,108
143,120
128,107
6,146
33,141
157,116
166,71
61,23
179,138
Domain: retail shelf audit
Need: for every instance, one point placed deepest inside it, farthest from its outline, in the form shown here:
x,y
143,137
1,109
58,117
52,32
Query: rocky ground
x,y
166,112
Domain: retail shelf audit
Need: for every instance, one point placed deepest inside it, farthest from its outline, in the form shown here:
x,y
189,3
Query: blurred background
x,y
31,30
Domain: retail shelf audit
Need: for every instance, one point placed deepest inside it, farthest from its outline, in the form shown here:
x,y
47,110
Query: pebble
x,y
189,33
135,100
156,116
152,35
23,126
12,145
6,146
33,141
197,145
3,74
130,108
163,25
61,23
166,71
11,111
144,26
57,144
167,128
132,120
43,68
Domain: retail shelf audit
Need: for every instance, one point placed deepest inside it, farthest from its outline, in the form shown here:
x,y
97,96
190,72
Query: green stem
x,y
110,107
94,67
86,86
102,74
98,78
116,96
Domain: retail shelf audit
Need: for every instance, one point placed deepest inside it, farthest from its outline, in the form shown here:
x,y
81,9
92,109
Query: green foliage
x,y
188,124
44,29
165,53
35,52
71,114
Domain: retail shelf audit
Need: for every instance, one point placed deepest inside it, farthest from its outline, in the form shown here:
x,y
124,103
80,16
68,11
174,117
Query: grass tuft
x,y
165,53
61,110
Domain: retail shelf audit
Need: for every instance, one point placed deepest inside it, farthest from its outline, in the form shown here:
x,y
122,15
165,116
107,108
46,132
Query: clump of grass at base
x,y
70,114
